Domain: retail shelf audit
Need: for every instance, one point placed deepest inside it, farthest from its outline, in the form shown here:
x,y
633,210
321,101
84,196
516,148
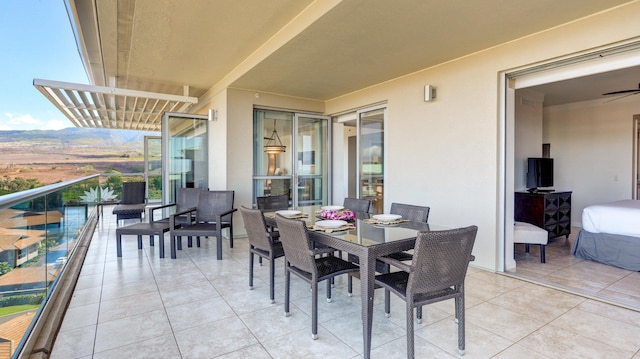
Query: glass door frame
x,y
325,158
168,195
359,144
147,165
291,141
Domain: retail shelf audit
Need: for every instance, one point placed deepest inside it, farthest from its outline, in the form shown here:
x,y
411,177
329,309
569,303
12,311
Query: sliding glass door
x,y
184,157
371,156
311,170
153,167
291,156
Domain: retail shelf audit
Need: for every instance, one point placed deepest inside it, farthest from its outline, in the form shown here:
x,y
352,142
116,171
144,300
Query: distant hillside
x,y
53,156
74,137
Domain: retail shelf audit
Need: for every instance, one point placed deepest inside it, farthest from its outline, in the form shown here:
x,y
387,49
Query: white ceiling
x,y
591,87
162,45
303,48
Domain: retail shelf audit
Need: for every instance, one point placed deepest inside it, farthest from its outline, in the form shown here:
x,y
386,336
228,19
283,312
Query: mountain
x,y
58,155
76,137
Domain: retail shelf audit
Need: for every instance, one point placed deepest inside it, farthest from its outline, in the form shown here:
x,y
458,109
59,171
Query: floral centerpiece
x,y
343,214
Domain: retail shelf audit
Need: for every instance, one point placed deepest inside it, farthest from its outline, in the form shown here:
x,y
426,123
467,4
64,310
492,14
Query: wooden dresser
x,y
550,211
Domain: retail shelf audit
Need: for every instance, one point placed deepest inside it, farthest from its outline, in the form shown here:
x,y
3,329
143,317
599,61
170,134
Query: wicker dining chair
x,y
262,243
357,204
436,273
267,203
308,263
411,212
272,203
407,211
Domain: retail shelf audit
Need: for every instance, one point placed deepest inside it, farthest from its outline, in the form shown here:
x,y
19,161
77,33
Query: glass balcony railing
x,y
39,232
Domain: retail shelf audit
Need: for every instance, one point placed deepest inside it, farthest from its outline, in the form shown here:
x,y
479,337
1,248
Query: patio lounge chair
x,y
133,201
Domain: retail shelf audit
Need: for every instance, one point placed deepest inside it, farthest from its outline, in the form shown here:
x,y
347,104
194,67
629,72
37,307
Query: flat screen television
x,y
539,172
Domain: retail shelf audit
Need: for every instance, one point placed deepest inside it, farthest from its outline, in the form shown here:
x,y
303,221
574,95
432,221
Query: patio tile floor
x,y
141,306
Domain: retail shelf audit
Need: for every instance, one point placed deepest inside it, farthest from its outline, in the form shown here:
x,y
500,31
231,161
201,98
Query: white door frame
x,y
635,182
576,65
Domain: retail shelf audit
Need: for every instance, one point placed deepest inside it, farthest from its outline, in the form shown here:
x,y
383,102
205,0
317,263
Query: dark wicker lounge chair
x,y
307,262
133,201
436,273
262,243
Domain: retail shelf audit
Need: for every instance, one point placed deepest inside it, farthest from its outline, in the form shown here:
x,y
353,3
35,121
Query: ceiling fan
x,y
625,92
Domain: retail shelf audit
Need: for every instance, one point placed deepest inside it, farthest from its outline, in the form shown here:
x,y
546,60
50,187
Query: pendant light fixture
x,y
274,144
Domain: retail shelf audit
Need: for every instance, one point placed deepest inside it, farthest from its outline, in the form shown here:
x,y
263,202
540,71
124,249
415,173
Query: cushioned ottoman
x,y
528,233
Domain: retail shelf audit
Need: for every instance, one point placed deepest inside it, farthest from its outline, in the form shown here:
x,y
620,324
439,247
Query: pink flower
x,y
345,214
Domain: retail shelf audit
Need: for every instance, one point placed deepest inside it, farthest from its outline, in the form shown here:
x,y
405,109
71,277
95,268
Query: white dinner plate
x,y
386,225
387,217
332,208
330,224
288,213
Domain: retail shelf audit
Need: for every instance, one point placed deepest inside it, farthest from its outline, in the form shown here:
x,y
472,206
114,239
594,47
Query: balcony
x,y
196,306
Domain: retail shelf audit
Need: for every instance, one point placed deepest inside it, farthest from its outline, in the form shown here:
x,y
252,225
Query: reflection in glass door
x,y
311,144
184,154
291,156
153,167
371,156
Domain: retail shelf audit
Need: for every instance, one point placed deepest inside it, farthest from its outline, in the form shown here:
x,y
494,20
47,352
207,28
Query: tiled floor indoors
x,y
140,306
564,270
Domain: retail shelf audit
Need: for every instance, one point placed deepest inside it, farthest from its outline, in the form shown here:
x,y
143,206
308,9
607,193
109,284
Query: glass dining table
x,y
367,240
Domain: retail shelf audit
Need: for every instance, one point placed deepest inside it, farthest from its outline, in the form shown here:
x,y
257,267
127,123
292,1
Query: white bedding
x,y
620,217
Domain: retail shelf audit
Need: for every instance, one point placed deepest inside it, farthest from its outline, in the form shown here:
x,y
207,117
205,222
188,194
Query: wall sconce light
x,y
274,144
429,93
213,115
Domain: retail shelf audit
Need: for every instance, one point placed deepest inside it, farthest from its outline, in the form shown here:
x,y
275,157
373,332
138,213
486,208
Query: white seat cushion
x,y
528,233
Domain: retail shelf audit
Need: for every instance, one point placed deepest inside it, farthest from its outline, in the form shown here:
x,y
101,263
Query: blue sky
x,y
37,42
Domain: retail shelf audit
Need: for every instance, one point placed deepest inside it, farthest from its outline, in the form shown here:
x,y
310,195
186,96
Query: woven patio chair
x,y
436,273
213,214
185,198
270,203
308,263
407,211
411,212
262,243
357,205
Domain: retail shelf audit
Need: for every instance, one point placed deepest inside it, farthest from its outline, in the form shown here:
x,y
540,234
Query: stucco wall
x,y
238,117
446,153
592,146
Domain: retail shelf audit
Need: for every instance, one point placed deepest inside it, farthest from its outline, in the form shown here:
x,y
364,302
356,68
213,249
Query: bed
x,y
611,234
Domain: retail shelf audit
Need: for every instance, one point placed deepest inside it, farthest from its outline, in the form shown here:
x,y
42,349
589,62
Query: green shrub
x,y
21,299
